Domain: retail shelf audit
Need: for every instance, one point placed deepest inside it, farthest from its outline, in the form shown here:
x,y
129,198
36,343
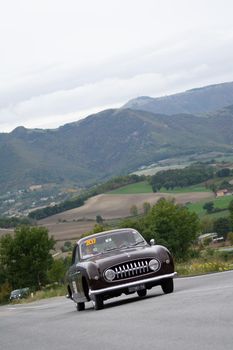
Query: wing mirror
x,y
152,241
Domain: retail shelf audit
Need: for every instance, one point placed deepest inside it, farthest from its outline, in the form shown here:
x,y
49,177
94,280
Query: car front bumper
x,y
145,281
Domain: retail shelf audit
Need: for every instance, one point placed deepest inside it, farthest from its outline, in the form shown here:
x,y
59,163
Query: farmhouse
x,y
222,193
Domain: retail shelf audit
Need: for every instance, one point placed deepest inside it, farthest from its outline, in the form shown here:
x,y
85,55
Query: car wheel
x,y
80,306
142,293
98,302
167,286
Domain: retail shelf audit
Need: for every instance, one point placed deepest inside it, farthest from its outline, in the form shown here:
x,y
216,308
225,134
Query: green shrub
x,y
230,237
5,290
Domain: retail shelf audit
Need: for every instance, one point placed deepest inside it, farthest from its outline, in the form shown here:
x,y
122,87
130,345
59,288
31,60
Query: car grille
x,y
131,269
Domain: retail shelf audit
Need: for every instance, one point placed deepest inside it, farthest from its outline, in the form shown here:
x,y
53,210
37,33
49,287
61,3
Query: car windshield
x,y
117,240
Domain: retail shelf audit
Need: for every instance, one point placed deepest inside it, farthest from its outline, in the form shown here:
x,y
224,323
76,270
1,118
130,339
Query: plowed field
x,y
72,223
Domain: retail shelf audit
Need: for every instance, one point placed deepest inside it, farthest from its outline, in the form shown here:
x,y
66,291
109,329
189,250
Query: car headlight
x,y
110,274
154,264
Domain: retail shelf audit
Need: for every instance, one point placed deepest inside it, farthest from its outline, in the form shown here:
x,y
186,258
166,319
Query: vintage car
x,y
19,294
107,264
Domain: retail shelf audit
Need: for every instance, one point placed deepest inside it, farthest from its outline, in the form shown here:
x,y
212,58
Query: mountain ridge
x,y
110,143
194,101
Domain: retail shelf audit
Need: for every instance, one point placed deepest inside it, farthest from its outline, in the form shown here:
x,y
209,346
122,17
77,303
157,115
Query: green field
x,y
221,203
145,187
139,187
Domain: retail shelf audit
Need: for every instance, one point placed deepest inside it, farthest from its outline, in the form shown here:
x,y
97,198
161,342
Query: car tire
x,y
167,286
98,302
80,306
142,293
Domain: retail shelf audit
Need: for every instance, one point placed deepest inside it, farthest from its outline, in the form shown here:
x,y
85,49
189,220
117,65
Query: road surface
x,y
197,316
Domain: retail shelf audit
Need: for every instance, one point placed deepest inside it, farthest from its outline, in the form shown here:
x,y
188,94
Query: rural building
x,y
222,193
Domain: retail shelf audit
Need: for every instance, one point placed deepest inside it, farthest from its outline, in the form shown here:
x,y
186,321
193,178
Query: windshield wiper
x,y
109,249
136,243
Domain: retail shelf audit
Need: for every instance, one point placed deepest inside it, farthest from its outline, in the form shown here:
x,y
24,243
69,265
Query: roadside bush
x,y
230,237
57,271
5,290
67,247
225,255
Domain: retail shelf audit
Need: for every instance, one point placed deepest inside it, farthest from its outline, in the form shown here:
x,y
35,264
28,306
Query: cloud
x,y
56,94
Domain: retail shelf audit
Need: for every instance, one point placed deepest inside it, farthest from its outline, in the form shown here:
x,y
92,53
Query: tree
x,y
209,207
5,289
57,271
134,210
222,226
224,172
99,219
207,224
230,237
230,207
67,247
146,207
25,257
173,226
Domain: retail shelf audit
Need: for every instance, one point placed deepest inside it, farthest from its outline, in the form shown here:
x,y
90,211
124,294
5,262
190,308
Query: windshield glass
x,y
102,244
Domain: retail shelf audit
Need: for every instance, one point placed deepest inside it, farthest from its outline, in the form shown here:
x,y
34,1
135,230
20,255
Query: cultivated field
x,y
72,223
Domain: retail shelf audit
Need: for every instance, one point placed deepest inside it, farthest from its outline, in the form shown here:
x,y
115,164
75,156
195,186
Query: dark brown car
x,y
110,263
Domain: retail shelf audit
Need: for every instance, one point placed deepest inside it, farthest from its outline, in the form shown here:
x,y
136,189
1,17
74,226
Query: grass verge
x,y
43,294
210,260
199,268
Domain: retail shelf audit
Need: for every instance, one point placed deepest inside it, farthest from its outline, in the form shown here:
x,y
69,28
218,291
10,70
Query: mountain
x,y
195,101
106,144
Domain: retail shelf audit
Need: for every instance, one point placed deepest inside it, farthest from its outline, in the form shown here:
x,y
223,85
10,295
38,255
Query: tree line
x,y
6,222
221,225
188,176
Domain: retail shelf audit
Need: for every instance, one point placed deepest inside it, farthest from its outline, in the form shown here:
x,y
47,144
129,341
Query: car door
x,y
75,278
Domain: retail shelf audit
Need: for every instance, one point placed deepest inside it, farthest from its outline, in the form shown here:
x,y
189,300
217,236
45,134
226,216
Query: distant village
x,y
23,201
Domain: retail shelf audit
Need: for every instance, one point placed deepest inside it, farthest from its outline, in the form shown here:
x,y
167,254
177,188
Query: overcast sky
x,y
62,60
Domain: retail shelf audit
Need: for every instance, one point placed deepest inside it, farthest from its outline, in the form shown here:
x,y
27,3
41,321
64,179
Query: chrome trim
x,y
133,268
130,284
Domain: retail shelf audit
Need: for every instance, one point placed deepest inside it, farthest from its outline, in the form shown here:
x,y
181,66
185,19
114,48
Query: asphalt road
x,y
198,315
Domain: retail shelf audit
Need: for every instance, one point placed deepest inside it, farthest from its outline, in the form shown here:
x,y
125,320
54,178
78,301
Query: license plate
x,y
137,287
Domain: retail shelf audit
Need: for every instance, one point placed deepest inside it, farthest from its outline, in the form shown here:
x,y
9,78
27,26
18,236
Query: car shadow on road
x,y
128,299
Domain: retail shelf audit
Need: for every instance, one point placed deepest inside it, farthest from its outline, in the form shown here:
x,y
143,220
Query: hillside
x,y
195,101
118,141
109,143
72,223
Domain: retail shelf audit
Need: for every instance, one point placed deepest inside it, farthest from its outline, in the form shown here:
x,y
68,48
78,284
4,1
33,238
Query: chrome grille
x,y
131,269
